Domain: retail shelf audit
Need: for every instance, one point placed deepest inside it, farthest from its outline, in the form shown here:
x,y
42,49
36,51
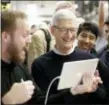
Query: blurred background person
x,y
101,40
87,35
106,29
33,29
41,42
103,54
66,4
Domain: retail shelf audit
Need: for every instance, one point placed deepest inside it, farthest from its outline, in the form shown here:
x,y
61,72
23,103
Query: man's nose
x,y
87,40
69,34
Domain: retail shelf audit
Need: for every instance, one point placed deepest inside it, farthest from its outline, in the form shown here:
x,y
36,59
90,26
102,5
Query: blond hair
x,y
8,20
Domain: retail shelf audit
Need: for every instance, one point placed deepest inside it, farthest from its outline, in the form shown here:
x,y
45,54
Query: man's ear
x,y
52,30
5,36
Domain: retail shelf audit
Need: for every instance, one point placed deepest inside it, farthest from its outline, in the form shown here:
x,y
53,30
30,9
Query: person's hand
x,y
90,84
19,93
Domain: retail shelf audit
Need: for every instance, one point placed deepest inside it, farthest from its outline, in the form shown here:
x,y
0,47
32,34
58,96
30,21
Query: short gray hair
x,y
62,4
63,14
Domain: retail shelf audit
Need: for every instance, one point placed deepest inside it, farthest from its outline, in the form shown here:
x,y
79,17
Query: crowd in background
x,y
33,56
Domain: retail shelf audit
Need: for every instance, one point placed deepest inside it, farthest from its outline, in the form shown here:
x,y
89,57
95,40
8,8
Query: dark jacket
x,y
12,73
104,55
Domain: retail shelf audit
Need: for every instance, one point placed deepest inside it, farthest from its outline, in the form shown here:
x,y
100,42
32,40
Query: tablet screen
x,y
72,72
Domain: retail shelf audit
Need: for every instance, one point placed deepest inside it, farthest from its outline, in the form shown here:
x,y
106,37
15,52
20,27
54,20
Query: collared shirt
x,y
60,53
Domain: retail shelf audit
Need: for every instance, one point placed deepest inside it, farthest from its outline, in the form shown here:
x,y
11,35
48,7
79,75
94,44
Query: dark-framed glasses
x,y
66,30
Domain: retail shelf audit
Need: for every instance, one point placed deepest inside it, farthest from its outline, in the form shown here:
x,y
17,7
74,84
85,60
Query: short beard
x,y
15,54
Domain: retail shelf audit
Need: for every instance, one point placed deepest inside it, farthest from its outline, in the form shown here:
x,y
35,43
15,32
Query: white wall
x,y
40,8
44,7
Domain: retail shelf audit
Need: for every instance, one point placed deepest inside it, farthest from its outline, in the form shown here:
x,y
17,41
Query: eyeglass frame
x,y
66,30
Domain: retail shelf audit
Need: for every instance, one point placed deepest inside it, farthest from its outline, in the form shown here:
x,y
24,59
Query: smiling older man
x,y
48,66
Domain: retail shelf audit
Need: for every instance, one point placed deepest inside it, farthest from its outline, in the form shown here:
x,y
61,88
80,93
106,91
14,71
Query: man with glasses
x,y
48,66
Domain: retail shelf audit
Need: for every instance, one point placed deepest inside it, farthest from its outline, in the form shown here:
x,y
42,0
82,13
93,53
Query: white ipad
x,y
72,72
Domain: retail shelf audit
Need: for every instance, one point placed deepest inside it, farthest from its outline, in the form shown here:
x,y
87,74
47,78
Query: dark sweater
x,y
104,55
92,51
49,65
12,73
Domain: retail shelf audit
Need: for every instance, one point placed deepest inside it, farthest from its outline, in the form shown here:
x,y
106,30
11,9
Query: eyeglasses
x,y
66,30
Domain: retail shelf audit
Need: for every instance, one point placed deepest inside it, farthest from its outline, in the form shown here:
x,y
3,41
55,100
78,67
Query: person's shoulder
x,y
103,51
21,67
43,58
83,54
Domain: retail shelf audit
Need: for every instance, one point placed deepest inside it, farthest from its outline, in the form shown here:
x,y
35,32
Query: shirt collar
x,y
60,53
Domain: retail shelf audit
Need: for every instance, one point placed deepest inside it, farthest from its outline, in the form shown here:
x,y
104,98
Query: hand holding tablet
x,y
72,72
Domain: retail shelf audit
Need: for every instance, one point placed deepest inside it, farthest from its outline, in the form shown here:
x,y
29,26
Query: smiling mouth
x,y
67,41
